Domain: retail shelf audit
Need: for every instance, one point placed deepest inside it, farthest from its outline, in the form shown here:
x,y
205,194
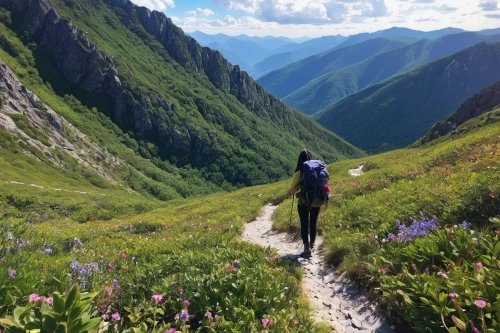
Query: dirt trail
x,y
335,301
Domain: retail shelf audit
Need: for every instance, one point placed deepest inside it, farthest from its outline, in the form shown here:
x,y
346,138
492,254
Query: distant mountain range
x,y
396,112
278,52
316,82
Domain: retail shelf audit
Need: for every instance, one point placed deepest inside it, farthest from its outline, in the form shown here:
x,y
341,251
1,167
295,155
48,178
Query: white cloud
x,y
200,12
159,5
295,18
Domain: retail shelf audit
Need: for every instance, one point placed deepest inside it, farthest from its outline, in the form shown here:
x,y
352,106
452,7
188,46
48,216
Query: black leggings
x,y
308,218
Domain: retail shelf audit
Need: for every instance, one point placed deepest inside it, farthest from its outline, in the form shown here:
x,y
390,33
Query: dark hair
x,y
304,156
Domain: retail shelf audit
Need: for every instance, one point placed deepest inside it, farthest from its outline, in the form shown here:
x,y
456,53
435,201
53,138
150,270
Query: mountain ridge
x,y
333,85
180,124
401,109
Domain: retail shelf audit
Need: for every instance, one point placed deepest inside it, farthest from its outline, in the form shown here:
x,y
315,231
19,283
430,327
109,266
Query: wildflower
x,y
46,249
382,270
217,317
48,300
110,266
170,330
186,303
77,243
115,316
465,225
33,298
237,264
9,236
295,322
266,322
157,298
115,284
208,314
479,265
229,267
180,290
443,274
12,273
184,315
480,303
20,243
122,255
474,329
453,295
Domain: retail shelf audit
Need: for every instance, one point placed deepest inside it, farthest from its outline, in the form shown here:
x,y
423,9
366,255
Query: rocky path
x,y
335,301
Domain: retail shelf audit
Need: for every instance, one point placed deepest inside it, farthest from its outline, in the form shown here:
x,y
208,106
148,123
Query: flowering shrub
x,y
449,279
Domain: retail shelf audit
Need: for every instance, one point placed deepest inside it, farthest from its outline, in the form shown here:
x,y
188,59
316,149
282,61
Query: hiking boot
x,y
307,251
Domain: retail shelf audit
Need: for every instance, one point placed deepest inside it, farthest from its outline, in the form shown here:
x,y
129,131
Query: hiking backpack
x,y
314,184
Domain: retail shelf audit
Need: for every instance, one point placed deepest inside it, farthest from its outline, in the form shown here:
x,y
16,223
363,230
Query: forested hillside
x,y
398,111
331,84
283,82
186,106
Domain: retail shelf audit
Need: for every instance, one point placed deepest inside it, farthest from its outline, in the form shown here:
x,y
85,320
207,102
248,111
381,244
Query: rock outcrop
x,y
480,103
88,68
43,129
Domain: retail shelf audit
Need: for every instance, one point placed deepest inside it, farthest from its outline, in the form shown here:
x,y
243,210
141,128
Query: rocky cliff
x,y
43,132
186,51
85,66
482,102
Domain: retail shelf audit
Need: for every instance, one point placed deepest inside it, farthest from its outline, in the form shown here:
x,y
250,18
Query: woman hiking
x,y
310,185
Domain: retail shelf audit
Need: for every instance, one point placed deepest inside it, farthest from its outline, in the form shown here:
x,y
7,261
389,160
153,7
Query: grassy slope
x,y
334,84
149,176
396,112
245,141
455,177
286,80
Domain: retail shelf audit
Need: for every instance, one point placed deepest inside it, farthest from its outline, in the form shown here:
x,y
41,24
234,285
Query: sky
x,y
314,18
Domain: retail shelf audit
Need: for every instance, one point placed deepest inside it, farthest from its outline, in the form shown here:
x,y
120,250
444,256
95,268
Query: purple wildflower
x,y
115,284
183,315
12,273
237,264
9,236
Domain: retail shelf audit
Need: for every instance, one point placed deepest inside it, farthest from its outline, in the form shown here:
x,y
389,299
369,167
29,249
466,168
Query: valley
x,y
144,176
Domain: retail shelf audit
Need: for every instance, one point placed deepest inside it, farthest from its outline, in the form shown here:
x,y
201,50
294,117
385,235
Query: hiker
x,y
310,186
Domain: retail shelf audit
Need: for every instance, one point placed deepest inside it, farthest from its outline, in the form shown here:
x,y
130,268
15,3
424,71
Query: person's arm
x,y
294,186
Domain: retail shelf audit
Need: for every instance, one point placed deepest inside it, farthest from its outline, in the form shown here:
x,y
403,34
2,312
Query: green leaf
x,y
425,300
6,322
73,297
453,330
49,323
32,325
58,303
459,323
61,328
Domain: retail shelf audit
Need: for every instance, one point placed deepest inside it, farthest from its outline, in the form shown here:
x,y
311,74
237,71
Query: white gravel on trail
x,y
334,300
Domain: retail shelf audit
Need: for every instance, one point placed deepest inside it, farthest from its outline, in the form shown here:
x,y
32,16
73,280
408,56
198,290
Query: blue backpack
x,y
314,178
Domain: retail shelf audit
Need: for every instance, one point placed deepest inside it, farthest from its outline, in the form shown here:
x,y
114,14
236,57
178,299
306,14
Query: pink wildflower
x,y
295,322
115,316
170,330
474,329
122,255
108,290
208,314
34,298
217,317
453,295
180,290
110,266
48,300
229,267
212,324
480,303
186,303
443,274
479,265
157,298
266,322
